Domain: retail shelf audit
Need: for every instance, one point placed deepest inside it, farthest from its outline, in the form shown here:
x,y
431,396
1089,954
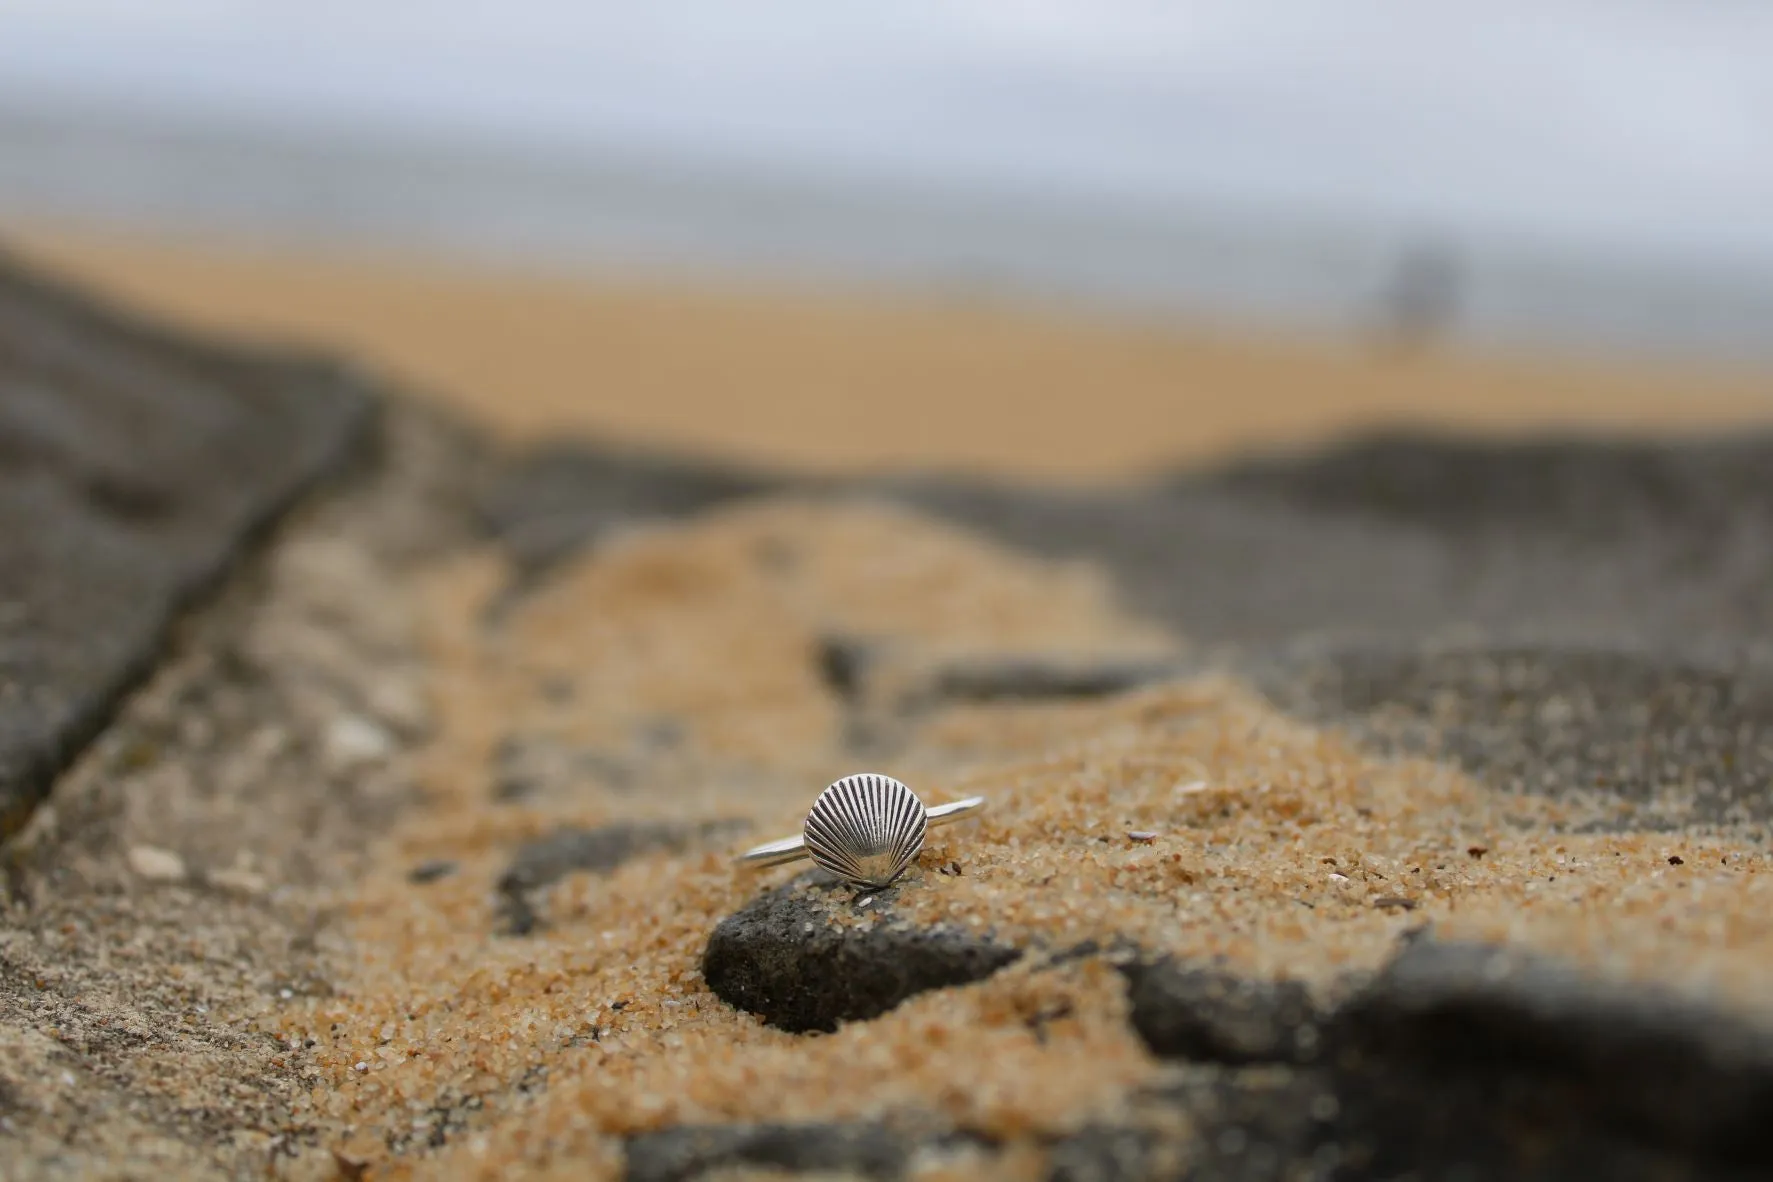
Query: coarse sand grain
x,y
451,1049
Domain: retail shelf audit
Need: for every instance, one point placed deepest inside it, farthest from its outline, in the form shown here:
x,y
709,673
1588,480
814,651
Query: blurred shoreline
x,y
623,217
818,378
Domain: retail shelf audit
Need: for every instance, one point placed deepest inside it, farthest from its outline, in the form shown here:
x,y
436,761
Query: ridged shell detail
x,y
866,828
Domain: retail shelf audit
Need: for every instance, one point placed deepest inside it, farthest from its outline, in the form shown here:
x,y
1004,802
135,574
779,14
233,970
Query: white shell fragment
x,y
155,864
866,829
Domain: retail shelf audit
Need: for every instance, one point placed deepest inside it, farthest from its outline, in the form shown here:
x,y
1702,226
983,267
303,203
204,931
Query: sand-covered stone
x,y
1534,617
1205,1015
1394,538
1395,809
545,860
1455,1059
1671,737
134,467
871,1151
557,499
1192,821
784,959
139,1011
1107,1154
1593,490
1635,1065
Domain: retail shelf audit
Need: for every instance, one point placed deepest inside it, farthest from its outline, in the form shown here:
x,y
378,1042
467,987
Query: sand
x,y
825,381
1280,848
427,1040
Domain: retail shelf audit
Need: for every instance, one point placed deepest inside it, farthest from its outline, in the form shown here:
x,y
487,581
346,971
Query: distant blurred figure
x,y
1420,304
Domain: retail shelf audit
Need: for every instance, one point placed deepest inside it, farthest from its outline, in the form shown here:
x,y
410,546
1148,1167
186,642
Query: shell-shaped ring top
x,y
866,828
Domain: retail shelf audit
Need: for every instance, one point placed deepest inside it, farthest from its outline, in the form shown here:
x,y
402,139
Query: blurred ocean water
x,y
1560,172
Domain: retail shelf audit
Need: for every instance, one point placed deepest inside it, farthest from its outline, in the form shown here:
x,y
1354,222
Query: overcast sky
x,y
1642,123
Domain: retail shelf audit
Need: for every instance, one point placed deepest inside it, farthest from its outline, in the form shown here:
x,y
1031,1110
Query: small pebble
x,y
399,704
239,882
353,740
155,864
431,871
1399,902
1142,835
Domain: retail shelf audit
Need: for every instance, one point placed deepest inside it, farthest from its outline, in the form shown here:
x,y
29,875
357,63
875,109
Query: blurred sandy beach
x,y
829,380
375,781
1072,241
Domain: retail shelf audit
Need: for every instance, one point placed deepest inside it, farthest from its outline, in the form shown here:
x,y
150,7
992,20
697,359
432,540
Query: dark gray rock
x,y
1455,1061
780,957
1567,539
1226,571
558,499
1253,566
1630,723
847,665
1587,491
1268,1124
545,860
1466,1036
1103,1153
843,663
432,870
886,694
1204,1014
1263,1123
1559,616
1400,537
135,467
1034,678
683,1154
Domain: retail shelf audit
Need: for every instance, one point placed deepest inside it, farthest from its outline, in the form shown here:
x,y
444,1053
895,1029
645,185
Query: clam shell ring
x,y
865,829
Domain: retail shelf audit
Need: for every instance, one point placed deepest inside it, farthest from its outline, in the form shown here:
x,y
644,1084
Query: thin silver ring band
x,y
793,849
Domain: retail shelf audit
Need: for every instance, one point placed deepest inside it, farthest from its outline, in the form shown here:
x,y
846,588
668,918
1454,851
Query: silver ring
x,y
865,829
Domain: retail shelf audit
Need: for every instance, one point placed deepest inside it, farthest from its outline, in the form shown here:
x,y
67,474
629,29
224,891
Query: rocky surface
x,y
561,498
545,860
1423,537
183,882
1669,738
1571,620
1206,1015
1396,810
1405,537
867,1150
1468,1039
133,467
785,958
